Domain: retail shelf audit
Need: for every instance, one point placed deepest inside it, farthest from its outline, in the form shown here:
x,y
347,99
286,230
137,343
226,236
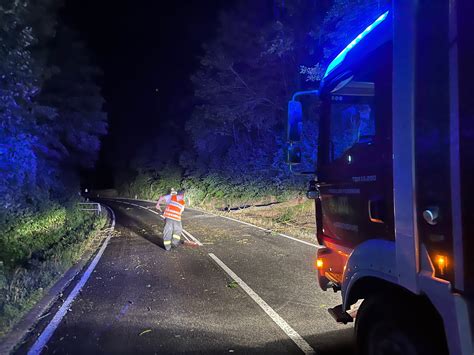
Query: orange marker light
x,y
442,263
319,263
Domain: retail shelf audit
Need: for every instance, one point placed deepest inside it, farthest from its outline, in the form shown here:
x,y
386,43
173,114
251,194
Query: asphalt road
x,y
141,299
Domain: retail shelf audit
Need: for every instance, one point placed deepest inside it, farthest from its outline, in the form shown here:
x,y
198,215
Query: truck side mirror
x,y
293,155
295,121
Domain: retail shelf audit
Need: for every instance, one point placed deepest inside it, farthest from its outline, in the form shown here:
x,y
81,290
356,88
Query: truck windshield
x,y
352,117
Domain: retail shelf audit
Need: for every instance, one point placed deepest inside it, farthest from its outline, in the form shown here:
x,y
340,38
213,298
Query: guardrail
x,y
91,206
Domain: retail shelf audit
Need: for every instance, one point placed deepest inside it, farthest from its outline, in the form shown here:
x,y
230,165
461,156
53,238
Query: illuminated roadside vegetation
x,y
280,208
31,234
51,121
212,191
36,250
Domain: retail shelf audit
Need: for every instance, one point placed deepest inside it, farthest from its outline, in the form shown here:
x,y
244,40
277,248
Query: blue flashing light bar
x,y
341,56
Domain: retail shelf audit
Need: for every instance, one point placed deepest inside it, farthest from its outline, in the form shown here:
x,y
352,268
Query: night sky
x,y
147,51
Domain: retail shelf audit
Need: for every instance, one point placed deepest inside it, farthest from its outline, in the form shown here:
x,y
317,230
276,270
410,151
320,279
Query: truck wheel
x,y
388,327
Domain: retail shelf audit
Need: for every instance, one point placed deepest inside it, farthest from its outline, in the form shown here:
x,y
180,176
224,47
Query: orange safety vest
x,y
174,209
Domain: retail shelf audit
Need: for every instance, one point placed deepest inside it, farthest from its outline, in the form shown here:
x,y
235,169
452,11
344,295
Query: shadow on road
x,y
147,339
141,226
336,342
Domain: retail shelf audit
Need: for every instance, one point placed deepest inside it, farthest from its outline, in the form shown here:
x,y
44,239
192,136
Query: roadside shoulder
x,y
26,324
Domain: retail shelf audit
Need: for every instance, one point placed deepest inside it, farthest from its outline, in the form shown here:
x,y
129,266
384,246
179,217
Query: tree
x,y
18,85
245,79
263,52
344,20
72,89
46,130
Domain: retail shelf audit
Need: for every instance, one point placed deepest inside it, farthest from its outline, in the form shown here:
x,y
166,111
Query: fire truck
x,y
395,179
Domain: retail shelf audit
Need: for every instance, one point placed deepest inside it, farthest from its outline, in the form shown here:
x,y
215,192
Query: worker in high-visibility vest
x,y
173,211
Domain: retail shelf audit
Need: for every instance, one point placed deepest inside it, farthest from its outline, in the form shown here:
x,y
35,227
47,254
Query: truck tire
x,y
388,326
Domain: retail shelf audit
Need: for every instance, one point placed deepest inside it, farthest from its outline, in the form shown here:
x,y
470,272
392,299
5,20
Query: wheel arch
x,y
367,286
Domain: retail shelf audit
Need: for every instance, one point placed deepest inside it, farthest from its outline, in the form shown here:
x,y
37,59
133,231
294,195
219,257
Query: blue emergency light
x,y
341,56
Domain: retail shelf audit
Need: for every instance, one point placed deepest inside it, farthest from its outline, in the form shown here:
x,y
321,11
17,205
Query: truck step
x,y
339,315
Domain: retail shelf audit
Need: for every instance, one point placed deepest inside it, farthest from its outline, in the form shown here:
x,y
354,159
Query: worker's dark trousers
x,y
172,233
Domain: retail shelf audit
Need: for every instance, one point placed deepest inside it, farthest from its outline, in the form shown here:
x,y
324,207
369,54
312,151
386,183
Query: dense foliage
x,y
236,133
50,122
50,107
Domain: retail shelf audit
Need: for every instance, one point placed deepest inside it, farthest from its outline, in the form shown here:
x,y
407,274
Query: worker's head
x,y
181,192
173,191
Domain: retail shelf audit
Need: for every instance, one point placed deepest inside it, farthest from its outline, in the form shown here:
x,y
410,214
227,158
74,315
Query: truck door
x,y
354,165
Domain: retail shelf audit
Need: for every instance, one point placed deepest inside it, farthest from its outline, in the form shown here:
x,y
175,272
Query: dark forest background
x,y
223,139
228,146
50,106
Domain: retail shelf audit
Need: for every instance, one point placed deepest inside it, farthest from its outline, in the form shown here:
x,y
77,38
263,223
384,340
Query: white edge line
x,y
229,218
150,210
54,323
300,241
270,231
112,227
292,334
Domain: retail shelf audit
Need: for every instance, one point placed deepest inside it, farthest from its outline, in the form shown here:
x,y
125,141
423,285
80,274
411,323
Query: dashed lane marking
x,y
192,237
289,331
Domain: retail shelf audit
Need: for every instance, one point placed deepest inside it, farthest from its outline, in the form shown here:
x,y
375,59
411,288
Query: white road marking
x,y
53,325
185,237
292,334
236,220
193,238
159,214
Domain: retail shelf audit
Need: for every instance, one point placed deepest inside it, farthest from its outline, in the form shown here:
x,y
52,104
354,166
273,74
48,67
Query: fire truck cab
x,y
395,179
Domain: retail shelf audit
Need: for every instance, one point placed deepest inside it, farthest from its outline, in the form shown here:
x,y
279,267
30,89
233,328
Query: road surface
x,y
141,299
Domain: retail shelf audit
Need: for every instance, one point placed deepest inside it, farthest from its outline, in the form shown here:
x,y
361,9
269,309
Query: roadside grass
x,y
295,217
277,207
36,250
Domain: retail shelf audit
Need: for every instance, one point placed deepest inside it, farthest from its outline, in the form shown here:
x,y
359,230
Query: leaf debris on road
x,y
44,315
144,332
232,284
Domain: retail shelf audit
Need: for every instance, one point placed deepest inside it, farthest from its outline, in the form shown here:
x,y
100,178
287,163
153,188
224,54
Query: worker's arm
x,y
162,199
181,198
